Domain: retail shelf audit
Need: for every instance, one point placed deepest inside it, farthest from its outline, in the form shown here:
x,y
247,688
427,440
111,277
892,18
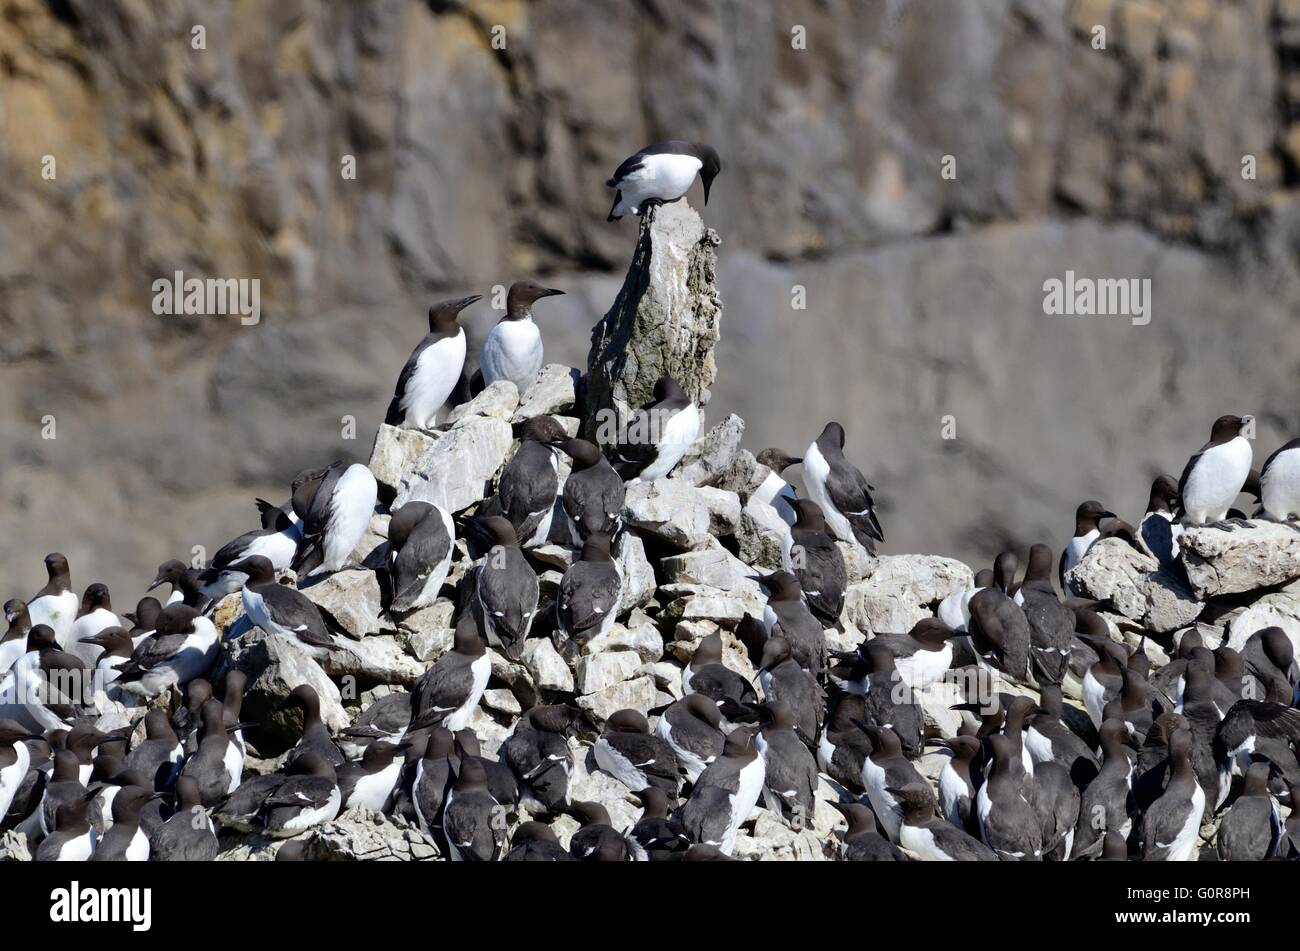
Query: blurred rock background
x,y
476,166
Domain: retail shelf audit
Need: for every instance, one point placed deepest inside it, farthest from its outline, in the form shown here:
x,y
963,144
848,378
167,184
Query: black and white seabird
x,y
1105,679
513,348
421,538
15,760
841,490
184,645
74,836
658,836
308,798
1288,846
726,792
338,516
126,841
637,758
1251,829
591,591
790,777
885,769
160,754
1055,799
188,834
530,481
1251,727
433,779
315,736
144,619
1159,529
185,585
997,634
1107,804
774,490
536,842
209,767
1051,623
593,493
706,674
507,588
782,679
1007,822
386,718
788,615
1048,740
277,541
14,644
1171,824
40,690
471,817
660,173
281,610
922,655
114,646
94,615
930,838
958,781
537,751
864,841
809,553
370,781
597,840
448,692
432,370
1279,482
1087,529
1269,659
1214,476
692,726
843,744
888,701
658,434
56,604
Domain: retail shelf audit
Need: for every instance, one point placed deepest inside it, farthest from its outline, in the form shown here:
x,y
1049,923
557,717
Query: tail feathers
x,y
309,558
394,416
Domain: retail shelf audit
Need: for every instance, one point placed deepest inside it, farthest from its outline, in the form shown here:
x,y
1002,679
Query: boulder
x,y
637,693
274,666
903,589
351,598
1276,609
453,469
1113,570
1236,559
681,514
709,458
552,393
497,401
713,566
638,574
378,659
548,668
597,672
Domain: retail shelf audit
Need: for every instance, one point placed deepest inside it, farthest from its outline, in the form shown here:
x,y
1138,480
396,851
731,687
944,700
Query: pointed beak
x,y
1109,515
466,301
92,639
156,582
553,292
708,183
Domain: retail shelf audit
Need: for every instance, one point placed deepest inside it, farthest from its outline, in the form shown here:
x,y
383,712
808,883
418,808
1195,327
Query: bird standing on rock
x,y
660,173
658,435
337,517
421,538
513,349
507,588
841,490
433,368
810,554
1214,476
530,481
593,494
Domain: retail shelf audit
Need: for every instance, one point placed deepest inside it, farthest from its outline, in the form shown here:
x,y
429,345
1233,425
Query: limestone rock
x,y
665,320
453,469
638,574
1241,559
636,694
903,589
709,458
497,401
13,847
351,597
380,658
548,668
679,513
362,835
274,666
1135,584
713,566
597,672
553,393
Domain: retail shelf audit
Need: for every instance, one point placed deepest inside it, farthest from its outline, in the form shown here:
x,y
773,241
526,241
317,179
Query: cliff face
x,y
477,162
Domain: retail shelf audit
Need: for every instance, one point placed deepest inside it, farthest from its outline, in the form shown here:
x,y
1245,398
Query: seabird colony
x,y
535,713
